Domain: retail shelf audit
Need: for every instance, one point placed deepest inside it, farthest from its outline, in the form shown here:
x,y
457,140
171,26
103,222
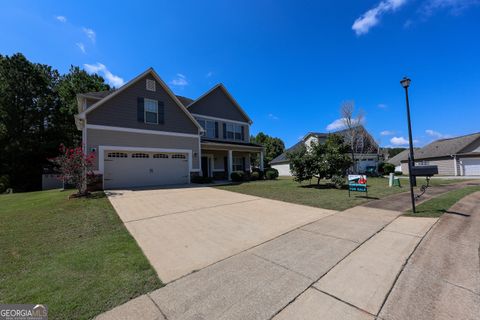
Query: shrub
x,y
4,183
200,179
338,181
398,173
254,176
237,176
386,168
261,174
271,174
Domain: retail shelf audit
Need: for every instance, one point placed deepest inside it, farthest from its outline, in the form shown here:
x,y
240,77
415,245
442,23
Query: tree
x,y
273,147
326,160
28,105
357,138
37,105
75,167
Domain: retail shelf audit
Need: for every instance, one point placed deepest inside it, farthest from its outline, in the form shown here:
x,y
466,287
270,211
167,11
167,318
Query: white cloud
x,y
102,70
61,18
454,6
401,141
382,106
336,125
209,74
81,46
341,123
436,134
398,141
371,18
271,116
90,34
387,133
180,80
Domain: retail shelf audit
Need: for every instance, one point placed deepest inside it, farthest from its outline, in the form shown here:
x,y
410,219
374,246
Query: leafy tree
x,y
28,104
326,160
273,147
37,105
74,82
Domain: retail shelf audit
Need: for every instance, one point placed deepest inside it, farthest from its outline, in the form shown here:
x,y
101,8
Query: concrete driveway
x,y
186,229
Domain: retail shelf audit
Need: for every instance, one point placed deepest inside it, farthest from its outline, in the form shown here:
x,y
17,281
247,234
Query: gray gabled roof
x,y
97,95
395,160
283,157
446,147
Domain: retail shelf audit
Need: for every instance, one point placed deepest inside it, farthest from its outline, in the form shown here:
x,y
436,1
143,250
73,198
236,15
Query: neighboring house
x,y
144,135
396,160
458,156
366,154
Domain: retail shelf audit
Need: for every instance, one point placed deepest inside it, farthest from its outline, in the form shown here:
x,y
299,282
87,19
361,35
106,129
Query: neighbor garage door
x,y
139,169
471,166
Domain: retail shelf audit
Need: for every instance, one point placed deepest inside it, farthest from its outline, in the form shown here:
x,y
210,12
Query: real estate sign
x,y
357,182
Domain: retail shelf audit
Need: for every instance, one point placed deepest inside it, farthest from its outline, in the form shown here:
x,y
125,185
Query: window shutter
x,y
161,112
224,131
243,133
140,110
243,163
216,129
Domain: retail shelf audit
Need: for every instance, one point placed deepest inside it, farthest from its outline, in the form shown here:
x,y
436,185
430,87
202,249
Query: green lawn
x,y
74,255
285,189
437,206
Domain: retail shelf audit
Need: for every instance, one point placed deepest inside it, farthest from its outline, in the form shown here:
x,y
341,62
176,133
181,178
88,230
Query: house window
x,y
140,155
234,131
237,164
151,85
178,156
209,127
151,111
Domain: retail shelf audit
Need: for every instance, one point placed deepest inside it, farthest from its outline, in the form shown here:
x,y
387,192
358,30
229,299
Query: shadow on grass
x,y
97,195
323,186
365,197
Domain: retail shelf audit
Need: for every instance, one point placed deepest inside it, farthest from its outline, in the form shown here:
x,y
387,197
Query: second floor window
x,y
151,111
234,131
209,127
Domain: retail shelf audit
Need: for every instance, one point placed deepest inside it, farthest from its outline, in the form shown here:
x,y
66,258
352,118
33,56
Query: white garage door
x,y
140,169
471,166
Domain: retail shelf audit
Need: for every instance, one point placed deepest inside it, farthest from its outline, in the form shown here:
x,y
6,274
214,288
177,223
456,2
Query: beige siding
x,y
217,104
445,166
96,138
121,110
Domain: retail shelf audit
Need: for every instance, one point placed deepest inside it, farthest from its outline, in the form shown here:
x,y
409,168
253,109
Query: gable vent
x,y
151,85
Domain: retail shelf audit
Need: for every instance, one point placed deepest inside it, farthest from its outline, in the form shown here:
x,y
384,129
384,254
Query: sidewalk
x,y
442,279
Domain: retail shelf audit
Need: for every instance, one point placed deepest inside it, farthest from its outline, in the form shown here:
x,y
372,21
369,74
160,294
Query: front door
x,y
205,166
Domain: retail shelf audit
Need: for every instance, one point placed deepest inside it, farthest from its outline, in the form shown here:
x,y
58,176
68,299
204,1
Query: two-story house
x,y
144,135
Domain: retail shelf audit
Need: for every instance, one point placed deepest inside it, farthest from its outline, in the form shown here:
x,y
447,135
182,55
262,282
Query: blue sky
x,y
290,64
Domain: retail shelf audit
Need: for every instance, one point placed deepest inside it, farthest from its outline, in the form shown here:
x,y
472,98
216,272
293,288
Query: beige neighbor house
x,y
144,135
366,154
459,156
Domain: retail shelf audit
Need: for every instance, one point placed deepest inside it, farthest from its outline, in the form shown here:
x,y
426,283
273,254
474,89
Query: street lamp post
x,y
405,82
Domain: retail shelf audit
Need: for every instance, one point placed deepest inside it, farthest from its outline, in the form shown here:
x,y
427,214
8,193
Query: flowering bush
x,y
75,167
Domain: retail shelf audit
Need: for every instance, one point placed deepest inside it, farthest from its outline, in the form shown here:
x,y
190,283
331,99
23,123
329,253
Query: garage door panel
x,y
139,169
471,166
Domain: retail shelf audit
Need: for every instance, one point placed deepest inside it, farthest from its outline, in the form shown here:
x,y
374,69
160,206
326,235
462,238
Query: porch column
x,y
261,160
230,163
455,165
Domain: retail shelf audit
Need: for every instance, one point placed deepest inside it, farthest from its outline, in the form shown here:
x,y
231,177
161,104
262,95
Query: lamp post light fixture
x,y
405,82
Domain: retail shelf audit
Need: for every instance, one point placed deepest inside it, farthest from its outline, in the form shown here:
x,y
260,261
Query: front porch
x,y
219,159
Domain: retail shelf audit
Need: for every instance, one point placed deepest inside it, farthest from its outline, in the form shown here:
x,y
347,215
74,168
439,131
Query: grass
x,y
323,196
74,255
437,206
